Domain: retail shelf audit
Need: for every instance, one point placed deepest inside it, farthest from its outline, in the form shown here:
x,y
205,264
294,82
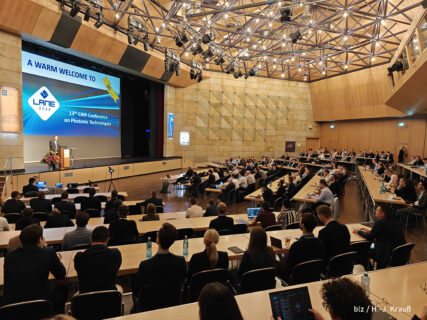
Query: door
x,y
312,143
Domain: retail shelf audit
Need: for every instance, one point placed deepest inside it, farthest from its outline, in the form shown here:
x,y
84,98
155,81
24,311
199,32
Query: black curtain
x,y
139,117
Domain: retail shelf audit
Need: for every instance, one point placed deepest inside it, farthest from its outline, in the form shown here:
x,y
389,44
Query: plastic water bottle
x,y
382,188
365,282
148,250
185,246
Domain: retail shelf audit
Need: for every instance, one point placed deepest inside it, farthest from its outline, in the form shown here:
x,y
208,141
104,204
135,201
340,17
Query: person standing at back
x,y
97,267
123,230
335,236
222,222
159,280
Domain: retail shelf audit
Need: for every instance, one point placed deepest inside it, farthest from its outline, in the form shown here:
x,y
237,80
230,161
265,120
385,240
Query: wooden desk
x,y
74,195
400,287
180,175
308,188
418,171
256,196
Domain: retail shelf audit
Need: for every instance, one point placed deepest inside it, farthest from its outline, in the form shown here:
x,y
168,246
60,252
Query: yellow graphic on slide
x,y
110,90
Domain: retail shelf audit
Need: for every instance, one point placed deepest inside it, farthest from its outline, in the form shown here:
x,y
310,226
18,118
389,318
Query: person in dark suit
x,y
335,236
159,280
267,194
41,204
97,266
334,185
195,183
291,188
280,190
26,271
91,202
111,204
30,186
58,220
258,255
210,258
158,202
66,205
123,230
387,234
418,206
211,209
53,144
187,176
13,205
306,248
26,220
222,222
406,190
211,179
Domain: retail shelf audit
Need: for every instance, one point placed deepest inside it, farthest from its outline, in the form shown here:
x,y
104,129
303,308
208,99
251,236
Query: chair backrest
x,y
155,296
31,310
225,232
12,217
70,214
72,190
159,209
93,213
121,197
240,228
200,279
55,200
151,234
341,264
274,227
257,280
278,204
294,225
134,209
86,190
42,216
79,247
401,255
362,250
189,232
335,207
80,199
97,305
308,271
30,194
101,198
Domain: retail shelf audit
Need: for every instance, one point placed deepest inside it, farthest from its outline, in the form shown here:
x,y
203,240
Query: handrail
x,y
8,161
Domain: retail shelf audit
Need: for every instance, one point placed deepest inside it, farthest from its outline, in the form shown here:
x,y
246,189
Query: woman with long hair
x,y
258,255
210,258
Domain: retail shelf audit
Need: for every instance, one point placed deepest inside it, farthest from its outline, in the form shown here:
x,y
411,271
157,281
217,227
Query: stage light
x,y
172,61
200,78
130,36
246,76
331,126
196,71
285,14
208,53
145,42
296,36
75,9
208,37
100,21
197,48
181,39
397,66
253,72
219,60
87,14
237,74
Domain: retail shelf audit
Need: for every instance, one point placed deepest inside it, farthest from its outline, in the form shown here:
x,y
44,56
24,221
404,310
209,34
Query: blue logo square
x,y
44,94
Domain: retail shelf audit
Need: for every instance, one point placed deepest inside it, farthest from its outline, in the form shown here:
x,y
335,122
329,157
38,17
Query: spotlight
x,y
253,72
219,60
75,9
237,74
87,14
145,42
208,53
193,74
200,77
208,37
296,36
285,14
100,21
130,36
196,71
178,41
181,39
172,61
197,49
246,76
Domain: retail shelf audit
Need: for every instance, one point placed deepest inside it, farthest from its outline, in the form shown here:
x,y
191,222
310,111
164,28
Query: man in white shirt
x,y
249,177
216,175
323,195
4,226
235,181
235,171
242,181
393,179
194,211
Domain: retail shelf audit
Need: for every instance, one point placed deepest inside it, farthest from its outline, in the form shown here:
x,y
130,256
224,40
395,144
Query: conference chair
x,y
294,225
29,310
308,271
401,255
159,209
31,194
101,198
257,280
341,265
151,234
73,190
239,228
157,296
189,232
134,209
12,217
93,213
97,305
362,256
42,216
225,232
70,214
86,190
79,247
416,215
80,199
274,227
55,200
121,197
202,278
277,204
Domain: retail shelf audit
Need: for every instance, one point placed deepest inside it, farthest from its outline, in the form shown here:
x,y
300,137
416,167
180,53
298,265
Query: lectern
x,y
64,158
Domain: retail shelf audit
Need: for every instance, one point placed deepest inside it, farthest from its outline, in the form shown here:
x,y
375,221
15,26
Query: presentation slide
x,y
66,100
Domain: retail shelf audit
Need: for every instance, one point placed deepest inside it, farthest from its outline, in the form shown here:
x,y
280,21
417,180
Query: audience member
x,y
158,202
26,220
287,215
66,205
111,204
194,211
30,187
406,191
79,236
112,213
41,204
58,220
13,205
323,195
266,217
419,206
91,202
211,209
150,211
267,194
123,230
4,225
222,222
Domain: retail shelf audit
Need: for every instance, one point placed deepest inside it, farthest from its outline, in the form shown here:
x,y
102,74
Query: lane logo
x,y
43,103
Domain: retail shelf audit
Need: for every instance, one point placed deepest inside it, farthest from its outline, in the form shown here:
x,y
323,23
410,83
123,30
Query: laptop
x,y
253,213
59,185
275,242
291,304
41,184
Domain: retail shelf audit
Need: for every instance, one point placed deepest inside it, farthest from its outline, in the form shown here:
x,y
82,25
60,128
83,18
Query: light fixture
x,y
323,72
345,14
181,39
196,71
197,48
305,78
87,14
208,37
208,53
219,60
372,59
345,67
75,9
345,38
285,14
401,124
253,72
172,62
331,126
299,69
296,36
237,74
282,75
100,21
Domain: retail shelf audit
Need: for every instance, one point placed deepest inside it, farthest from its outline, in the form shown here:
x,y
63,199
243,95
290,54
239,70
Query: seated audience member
x,y
258,255
281,189
211,209
30,187
306,248
323,195
291,188
222,222
195,183
226,191
211,179
267,194
210,258
406,191
334,184
66,205
194,211
249,177
91,202
418,206
387,234
390,179
4,225
26,271
217,302
112,213
97,266
58,220
158,202
159,280
287,215
335,236
41,204
13,205
123,230
187,176
342,297
266,217
112,204
380,169
79,236
150,211
26,220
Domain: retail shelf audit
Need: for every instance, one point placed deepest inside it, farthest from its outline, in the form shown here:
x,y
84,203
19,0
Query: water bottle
x,y
365,283
382,188
148,250
271,183
185,246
